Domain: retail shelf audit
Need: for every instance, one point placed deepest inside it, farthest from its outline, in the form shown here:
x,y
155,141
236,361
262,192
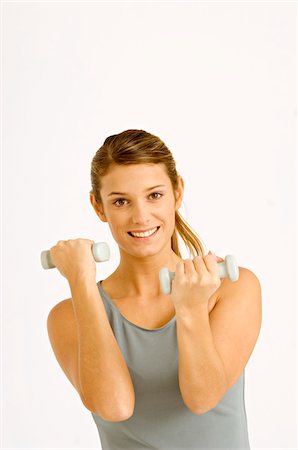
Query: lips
x,y
144,237
142,231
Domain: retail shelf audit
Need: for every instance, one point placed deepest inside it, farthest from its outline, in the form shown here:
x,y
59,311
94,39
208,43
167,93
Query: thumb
x,y
218,258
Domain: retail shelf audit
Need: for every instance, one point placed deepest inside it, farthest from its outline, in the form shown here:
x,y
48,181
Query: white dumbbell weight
x,y
100,251
226,269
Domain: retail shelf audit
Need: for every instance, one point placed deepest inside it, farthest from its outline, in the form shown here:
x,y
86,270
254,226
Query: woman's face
x,y
138,198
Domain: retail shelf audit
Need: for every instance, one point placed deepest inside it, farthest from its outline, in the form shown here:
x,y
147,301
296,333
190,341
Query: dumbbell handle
x,y
100,250
226,269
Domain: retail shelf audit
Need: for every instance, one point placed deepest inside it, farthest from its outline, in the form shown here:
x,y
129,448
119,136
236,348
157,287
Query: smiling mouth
x,y
144,235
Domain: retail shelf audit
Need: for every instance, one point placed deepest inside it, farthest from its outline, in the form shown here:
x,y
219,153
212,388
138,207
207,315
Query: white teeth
x,y
146,234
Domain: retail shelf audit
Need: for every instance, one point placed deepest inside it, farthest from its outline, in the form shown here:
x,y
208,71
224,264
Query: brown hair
x,y
140,147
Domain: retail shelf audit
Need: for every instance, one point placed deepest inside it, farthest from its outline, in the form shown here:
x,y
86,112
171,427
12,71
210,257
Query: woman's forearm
x,y
202,378
104,376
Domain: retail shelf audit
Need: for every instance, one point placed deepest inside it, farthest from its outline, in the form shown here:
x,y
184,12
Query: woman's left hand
x,y
195,282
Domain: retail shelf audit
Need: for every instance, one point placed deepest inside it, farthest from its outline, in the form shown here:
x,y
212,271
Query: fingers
x,y
199,264
186,267
211,263
179,268
191,267
90,241
218,258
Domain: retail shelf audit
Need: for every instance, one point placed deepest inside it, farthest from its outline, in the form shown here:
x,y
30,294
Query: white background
x,y
217,83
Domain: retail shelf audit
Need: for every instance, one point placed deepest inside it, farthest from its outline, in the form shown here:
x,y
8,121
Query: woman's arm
x,y
87,351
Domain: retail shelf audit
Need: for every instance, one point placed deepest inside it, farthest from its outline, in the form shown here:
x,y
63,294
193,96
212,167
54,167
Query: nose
x,y
140,214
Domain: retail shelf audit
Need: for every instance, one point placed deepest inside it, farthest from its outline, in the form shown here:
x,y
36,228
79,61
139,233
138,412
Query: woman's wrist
x,y
82,279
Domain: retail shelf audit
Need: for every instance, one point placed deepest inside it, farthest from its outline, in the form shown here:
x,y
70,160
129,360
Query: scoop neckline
x,y
128,321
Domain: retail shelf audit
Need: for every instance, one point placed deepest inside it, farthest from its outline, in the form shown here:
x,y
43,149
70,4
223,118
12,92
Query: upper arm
x,y
236,321
62,333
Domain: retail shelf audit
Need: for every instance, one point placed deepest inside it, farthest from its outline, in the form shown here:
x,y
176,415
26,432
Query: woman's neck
x,y
139,277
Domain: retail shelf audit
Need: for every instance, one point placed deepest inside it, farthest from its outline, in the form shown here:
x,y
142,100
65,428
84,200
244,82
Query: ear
x,y
179,192
98,208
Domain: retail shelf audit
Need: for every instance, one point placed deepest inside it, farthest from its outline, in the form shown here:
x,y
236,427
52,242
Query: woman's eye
x,y
119,200
158,193
123,199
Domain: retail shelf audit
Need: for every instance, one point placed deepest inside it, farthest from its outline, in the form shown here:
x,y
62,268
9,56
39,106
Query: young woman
x,y
156,371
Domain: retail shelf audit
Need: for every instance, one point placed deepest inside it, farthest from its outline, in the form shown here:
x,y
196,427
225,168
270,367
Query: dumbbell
x,y
226,269
100,250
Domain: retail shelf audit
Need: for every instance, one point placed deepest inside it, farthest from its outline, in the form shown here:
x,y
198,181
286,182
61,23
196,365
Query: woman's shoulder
x,y
245,275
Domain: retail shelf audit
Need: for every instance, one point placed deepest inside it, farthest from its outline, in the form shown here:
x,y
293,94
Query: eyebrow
x,y
149,189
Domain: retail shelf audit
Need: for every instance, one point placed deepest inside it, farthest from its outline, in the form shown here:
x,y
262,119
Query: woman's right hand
x,y
74,259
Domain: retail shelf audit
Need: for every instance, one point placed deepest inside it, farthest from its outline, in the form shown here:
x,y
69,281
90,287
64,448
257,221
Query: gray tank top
x,y
161,420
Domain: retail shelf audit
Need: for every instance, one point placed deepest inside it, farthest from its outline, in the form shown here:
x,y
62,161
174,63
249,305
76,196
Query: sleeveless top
x,y
161,420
